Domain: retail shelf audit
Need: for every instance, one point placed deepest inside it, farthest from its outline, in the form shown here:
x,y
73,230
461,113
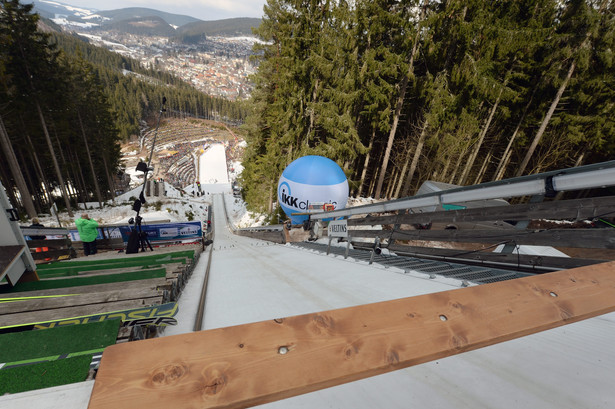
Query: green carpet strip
x,y
45,374
151,259
56,341
81,281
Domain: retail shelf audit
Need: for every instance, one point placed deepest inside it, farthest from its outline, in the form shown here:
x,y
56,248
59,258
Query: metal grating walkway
x,y
474,274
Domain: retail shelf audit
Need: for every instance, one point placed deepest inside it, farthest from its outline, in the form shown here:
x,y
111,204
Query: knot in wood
x,y
322,324
392,356
168,375
214,385
459,342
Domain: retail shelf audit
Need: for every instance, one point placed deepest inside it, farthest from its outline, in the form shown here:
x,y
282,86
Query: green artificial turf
x,y
24,345
151,259
81,281
73,271
44,375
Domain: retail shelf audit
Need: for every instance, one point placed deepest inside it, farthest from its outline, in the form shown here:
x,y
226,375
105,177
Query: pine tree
x,y
33,72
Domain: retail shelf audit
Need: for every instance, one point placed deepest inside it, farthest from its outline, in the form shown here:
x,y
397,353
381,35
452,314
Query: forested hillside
x,y
458,91
135,12
228,27
135,92
65,106
53,115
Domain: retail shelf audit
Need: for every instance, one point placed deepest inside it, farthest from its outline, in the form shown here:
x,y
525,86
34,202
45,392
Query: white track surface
x,y
252,280
213,166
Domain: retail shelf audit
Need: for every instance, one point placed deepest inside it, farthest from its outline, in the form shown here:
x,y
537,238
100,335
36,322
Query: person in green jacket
x,y
88,231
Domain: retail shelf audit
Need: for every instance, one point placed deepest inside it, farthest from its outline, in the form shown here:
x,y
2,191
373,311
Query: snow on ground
x,y
61,21
176,207
213,166
240,216
533,250
235,170
136,177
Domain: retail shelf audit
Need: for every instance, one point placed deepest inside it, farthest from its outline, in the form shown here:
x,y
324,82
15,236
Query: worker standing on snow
x,y
88,231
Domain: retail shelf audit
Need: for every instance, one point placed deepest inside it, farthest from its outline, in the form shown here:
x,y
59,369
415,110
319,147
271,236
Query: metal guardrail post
x,y
376,246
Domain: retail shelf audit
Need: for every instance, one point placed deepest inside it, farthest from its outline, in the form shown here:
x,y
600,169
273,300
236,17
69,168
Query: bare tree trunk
x,y
400,182
398,106
9,153
54,159
110,180
481,138
366,163
41,184
6,181
454,173
545,121
499,172
87,149
312,116
483,168
39,170
370,191
392,183
417,155
78,178
444,170
33,189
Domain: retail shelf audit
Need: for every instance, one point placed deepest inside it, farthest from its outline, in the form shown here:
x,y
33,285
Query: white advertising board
x,y
338,228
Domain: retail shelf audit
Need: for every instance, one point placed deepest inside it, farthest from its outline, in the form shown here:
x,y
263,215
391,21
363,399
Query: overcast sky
x,y
202,9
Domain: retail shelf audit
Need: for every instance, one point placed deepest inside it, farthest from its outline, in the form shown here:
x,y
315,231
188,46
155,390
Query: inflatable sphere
x,y
311,180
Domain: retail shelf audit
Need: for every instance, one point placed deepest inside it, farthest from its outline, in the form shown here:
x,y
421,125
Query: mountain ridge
x,y
135,19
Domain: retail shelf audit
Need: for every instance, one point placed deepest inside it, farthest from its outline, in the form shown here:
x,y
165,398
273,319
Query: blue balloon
x,y
311,182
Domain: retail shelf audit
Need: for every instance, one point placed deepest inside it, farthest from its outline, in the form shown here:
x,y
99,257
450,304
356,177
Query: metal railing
x,y
548,183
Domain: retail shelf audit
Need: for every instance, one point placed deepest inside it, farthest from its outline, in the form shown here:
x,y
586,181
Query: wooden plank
x,y
577,209
37,304
152,283
274,236
43,231
582,238
68,312
171,269
256,363
50,243
8,254
50,254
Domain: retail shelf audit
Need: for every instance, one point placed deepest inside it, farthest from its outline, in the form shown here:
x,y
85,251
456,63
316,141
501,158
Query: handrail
x,y
261,362
582,177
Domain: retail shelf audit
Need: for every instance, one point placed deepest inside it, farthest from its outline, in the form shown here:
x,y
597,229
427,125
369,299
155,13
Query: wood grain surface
x,y
251,364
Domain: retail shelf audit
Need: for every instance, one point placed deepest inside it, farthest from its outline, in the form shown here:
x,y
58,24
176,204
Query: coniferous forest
x,y
399,92
396,92
65,105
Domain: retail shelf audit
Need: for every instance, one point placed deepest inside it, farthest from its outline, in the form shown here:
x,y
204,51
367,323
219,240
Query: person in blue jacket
x,y
88,231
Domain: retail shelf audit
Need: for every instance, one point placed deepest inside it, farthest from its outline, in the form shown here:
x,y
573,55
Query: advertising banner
x,y
167,232
338,228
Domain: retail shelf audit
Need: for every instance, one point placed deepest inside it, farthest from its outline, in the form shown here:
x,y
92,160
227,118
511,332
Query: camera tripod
x,y
143,242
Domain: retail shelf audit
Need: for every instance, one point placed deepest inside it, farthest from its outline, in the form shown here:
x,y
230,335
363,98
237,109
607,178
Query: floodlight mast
x,y
145,168
151,153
